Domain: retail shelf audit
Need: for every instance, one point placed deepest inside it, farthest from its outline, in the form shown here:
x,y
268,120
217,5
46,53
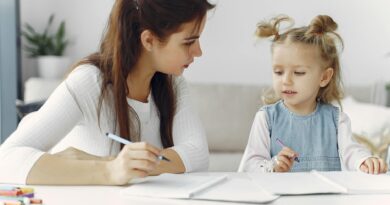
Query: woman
x,y
129,87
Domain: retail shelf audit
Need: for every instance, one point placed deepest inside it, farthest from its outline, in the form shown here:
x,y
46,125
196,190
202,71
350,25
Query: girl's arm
x,y
258,147
352,154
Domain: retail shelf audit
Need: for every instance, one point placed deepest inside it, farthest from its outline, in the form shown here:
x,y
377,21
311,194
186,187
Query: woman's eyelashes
x,y
189,43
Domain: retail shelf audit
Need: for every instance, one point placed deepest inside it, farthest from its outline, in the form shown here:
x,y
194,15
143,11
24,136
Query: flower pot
x,y
53,66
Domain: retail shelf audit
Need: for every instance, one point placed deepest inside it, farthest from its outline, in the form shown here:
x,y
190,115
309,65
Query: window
x,y
9,66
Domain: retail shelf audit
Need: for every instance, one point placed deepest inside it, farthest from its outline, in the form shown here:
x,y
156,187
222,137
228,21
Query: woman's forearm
x,y
55,169
75,167
175,165
73,153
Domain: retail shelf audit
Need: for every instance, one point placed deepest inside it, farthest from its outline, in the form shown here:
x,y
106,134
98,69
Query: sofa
x,y
227,112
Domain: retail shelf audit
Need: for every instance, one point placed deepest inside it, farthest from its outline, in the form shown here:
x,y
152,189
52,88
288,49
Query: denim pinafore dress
x,y
313,136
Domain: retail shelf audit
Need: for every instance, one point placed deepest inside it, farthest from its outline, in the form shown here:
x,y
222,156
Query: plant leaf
x,y
30,29
48,24
38,44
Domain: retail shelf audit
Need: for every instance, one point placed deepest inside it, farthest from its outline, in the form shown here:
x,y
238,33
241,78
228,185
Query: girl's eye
x,y
278,72
300,73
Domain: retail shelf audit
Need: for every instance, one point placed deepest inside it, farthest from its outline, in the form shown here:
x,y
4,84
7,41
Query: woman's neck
x,y
139,80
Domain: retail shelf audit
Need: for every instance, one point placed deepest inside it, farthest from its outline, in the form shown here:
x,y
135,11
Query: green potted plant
x,y
48,49
387,86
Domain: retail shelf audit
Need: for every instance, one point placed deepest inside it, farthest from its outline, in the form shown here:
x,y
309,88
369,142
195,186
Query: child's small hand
x,y
285,160
374,165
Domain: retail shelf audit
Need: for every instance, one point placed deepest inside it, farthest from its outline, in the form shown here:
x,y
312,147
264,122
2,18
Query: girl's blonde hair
x,y
319,33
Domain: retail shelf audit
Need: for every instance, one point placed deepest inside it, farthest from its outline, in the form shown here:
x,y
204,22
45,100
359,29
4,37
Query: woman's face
x,y
179,50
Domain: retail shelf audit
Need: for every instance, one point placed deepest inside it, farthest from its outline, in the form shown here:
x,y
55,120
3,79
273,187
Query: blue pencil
x,y
124,141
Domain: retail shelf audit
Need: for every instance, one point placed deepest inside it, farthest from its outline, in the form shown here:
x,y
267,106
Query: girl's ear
x,y
326,77
148,39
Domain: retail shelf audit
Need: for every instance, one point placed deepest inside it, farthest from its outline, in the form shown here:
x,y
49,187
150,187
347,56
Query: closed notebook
x,y
199,187
299,183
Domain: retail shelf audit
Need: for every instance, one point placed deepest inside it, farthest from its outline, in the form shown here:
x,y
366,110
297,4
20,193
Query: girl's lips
x,y
289,92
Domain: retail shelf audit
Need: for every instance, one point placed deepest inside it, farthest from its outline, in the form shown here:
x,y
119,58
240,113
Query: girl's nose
x,y
287,79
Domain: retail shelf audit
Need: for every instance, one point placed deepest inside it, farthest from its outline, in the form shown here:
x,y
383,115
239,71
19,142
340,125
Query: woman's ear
x,y
326,77
148,39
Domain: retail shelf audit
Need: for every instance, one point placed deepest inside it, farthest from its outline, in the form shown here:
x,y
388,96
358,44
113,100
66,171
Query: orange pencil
x,y
10,192
35,201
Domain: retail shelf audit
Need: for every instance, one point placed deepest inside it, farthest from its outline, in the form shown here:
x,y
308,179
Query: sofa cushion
x,y
227,112
224,161
367,119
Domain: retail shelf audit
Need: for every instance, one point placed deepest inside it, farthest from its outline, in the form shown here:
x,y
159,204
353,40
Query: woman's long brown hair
x,y
120,50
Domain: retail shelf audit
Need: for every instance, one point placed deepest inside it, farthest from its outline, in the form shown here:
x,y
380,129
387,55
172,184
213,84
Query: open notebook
x,y
314,182
200,187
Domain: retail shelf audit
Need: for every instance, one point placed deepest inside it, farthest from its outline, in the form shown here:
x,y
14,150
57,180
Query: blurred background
x,y
231,53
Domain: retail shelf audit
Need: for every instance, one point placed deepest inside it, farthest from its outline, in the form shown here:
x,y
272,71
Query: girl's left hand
x,y
374,165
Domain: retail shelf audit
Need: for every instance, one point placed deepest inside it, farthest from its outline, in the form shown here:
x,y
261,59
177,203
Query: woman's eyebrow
x,y
191,38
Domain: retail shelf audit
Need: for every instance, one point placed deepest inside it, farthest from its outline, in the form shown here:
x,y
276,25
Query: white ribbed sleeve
x,y
188,133
258,148
69,119
37,133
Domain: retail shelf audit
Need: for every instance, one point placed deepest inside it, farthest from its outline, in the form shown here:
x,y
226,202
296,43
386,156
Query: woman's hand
x,y
374,165
285,160
134,161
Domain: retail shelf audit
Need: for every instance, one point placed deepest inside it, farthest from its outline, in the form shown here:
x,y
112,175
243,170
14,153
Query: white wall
x,y
231,53
85,21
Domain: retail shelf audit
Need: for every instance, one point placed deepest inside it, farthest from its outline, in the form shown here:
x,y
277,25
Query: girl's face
x,y
298,74
179,50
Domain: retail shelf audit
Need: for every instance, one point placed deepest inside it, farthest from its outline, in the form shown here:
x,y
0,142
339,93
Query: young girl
x,y
300,130
129,87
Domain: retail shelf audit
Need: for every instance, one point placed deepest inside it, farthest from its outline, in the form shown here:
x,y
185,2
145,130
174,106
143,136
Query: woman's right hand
x,y
285,160
134,161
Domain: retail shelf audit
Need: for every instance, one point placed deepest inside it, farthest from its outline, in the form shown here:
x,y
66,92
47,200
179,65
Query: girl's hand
x,y
134,161
374,165
285,160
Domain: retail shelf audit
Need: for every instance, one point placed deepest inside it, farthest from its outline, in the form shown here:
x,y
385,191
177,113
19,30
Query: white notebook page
x,y
360,183
173,185
295,183
237,190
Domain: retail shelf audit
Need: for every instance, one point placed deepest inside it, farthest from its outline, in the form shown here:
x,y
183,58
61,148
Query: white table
x,y
65,195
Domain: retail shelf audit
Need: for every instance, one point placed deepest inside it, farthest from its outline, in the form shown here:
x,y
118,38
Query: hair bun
x,y
271,27
322,24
